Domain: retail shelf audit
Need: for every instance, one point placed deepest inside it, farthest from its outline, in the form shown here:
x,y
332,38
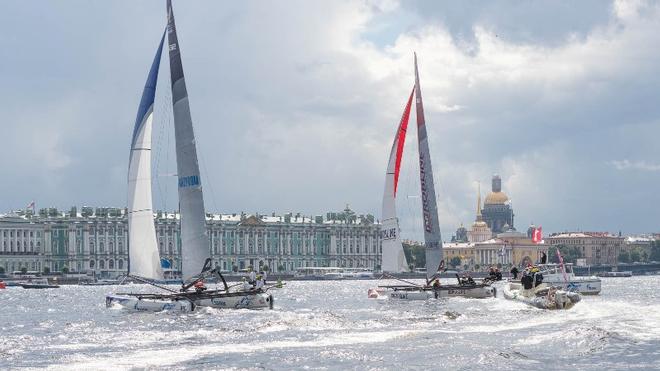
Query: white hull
x,y
480,292
585,286
247,301
542,296
554,276
134,303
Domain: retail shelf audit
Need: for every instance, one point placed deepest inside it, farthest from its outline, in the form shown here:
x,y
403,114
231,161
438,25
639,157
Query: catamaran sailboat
x,y
144,259
394,260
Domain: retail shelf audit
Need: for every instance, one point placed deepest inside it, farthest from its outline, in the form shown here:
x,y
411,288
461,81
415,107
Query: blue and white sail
x,y
432,239
144,260
194,240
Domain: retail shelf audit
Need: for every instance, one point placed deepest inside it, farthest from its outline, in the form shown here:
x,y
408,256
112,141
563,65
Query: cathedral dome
x,y
496,198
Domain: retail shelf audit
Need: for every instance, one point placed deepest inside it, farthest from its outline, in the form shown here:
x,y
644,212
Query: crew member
x,y
515,272
199,287
436,284
498,274
544,257
246,285
253,276
260,283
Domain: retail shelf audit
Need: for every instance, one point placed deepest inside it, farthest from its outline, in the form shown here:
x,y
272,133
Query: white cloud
x,y
636,165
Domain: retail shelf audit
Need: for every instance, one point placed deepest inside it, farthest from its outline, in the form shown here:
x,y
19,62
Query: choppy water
x,y
332,325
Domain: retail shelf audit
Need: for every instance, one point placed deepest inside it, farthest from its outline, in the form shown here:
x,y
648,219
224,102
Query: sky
x,y
295,105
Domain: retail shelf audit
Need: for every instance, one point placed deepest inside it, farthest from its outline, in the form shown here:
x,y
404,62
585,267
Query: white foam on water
x,y
170,357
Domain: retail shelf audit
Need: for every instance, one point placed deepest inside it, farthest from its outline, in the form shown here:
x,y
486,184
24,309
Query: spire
x,y
479,217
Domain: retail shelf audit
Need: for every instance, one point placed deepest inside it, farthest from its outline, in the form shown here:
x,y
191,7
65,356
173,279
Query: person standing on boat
x,y
544,257
515,272
263,275
253,276
436,284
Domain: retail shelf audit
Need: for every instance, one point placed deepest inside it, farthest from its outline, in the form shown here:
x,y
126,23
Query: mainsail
x,y
143,258
394,260
432,239
194,242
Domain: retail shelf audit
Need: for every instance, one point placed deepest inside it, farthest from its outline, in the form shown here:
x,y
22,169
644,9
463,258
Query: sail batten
x,y
144,260
194,242
393,258
432,238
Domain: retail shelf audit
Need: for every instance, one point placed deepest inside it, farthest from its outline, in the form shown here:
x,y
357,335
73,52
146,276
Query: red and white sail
x,y
394,260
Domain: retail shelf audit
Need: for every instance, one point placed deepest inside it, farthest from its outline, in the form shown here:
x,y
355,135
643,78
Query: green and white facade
x,y
96,240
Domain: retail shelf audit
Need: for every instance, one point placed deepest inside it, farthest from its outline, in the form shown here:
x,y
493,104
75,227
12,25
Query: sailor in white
x,y
246,285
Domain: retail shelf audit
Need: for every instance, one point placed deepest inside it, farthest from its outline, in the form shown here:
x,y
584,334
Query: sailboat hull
x,y
137,304
179,303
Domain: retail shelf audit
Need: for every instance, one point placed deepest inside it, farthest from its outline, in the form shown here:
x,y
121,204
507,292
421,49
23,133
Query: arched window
x,y
102,264
91,264
111,264
121,264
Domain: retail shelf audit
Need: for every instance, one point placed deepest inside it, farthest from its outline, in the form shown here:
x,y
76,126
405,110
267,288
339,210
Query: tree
x,y
46,270
265,267
455,261
280,268
65,270
476,267
415,255
2,270
499,265
234,268
635,255
465,267
624,257
24,270
655,251
570,254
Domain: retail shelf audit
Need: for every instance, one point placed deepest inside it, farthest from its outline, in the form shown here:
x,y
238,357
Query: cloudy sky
x,y
295,104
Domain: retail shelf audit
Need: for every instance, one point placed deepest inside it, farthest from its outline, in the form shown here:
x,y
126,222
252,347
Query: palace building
x,y
96,240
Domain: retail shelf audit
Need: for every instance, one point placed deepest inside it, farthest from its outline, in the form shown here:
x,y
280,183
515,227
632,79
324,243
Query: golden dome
x,y
495,198
479,224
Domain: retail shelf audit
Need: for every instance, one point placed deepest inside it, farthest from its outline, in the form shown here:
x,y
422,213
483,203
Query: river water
x,y
333,325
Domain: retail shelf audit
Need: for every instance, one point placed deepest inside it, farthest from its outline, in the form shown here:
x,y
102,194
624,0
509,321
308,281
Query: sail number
x,y
189,181
456,292
388,234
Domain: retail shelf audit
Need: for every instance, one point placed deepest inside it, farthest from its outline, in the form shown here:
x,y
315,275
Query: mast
x,y
393,259
194,241
432,239
143,257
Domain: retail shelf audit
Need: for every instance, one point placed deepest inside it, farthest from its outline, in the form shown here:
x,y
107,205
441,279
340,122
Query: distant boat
x,y
144,260
615,274
392,248
40,283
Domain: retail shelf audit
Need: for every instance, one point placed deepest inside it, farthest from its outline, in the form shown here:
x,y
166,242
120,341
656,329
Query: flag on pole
x,y
30,205
537,237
